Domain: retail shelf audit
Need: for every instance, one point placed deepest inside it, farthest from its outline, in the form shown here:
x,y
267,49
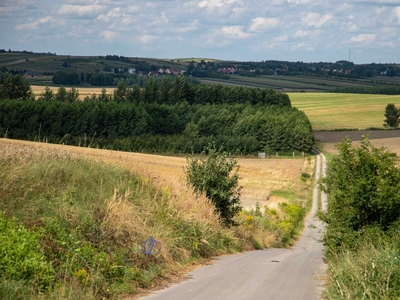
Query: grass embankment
x,y
71,227
370,270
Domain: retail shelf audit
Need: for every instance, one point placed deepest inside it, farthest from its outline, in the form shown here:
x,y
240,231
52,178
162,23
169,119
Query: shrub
x,y
213,176
362,185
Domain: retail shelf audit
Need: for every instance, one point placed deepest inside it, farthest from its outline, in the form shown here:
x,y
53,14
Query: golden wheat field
x,y
258,176
83,92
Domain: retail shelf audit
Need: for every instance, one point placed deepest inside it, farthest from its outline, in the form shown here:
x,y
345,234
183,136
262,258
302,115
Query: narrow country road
x,y
278,274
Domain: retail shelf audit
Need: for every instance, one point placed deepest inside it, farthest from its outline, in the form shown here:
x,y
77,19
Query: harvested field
x,y
258,176
379,138
83,92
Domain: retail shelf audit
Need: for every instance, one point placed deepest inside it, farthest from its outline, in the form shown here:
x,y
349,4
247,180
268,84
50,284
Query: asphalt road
x,y
278,274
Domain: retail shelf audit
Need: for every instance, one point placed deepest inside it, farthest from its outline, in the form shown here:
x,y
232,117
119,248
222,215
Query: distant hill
x,y
278,75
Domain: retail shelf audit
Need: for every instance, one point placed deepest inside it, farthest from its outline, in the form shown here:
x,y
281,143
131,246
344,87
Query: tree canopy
x,y
392,115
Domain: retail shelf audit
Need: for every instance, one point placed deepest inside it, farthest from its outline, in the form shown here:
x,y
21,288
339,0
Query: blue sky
x,y
244,30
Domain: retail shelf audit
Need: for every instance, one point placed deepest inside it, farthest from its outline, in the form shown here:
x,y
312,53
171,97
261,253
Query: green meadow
x,y
330,111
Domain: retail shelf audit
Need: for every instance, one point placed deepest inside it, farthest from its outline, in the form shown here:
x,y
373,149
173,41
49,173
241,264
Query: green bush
x,y
21,257
362,185
213,176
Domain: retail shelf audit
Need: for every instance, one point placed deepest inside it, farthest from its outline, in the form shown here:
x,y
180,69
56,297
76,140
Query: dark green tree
x,y
73,95
15,87
67,78
121,91
392,115
218,178
61,94
47,95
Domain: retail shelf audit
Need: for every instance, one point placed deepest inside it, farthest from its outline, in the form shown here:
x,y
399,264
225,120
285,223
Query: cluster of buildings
x,y
166,71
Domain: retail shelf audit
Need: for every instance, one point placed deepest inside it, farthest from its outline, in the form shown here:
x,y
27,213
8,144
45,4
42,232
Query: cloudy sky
x,y
245,30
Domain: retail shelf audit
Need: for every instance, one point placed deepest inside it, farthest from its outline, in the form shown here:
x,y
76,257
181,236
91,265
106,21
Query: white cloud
x,y
396,13
260,24
81,10
380,10
35,24
353,28
315,19
114,13
146,39
389,44
275,29
281,39
235,32
108,34
301,33
363,38
299,1
216,3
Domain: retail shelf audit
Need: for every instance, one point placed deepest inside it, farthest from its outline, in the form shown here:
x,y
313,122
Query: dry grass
x,y
258,176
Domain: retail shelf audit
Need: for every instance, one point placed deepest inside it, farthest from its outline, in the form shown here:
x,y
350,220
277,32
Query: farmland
x,y
330,111
301,83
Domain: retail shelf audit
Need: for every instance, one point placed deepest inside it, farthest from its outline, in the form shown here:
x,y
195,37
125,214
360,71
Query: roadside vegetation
x,y
71,227
362,233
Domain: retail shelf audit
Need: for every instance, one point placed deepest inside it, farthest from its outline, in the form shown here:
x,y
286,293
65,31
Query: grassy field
x,y
330,111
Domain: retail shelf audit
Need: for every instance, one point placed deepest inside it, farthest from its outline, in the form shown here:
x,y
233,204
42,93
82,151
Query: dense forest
x,y
169,117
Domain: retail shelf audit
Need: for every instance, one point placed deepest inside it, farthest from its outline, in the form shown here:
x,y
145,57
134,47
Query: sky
x,y
242,30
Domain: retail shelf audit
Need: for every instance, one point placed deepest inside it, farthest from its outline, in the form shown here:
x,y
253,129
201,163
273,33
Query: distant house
x,y
30,73
227,70
161,71
173,72
132,71
153,73
347,72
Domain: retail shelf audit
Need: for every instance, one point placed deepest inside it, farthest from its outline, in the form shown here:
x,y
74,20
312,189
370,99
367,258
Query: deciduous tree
x,y
392,115
218,178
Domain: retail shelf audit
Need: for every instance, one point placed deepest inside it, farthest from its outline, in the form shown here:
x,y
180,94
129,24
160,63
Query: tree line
x,y
174,116
383,90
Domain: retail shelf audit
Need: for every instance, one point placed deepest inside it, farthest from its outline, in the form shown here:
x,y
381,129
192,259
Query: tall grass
x,y
74,227
371,270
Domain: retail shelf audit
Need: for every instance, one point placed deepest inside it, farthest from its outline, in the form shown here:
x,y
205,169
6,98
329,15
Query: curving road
x,y
279,274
